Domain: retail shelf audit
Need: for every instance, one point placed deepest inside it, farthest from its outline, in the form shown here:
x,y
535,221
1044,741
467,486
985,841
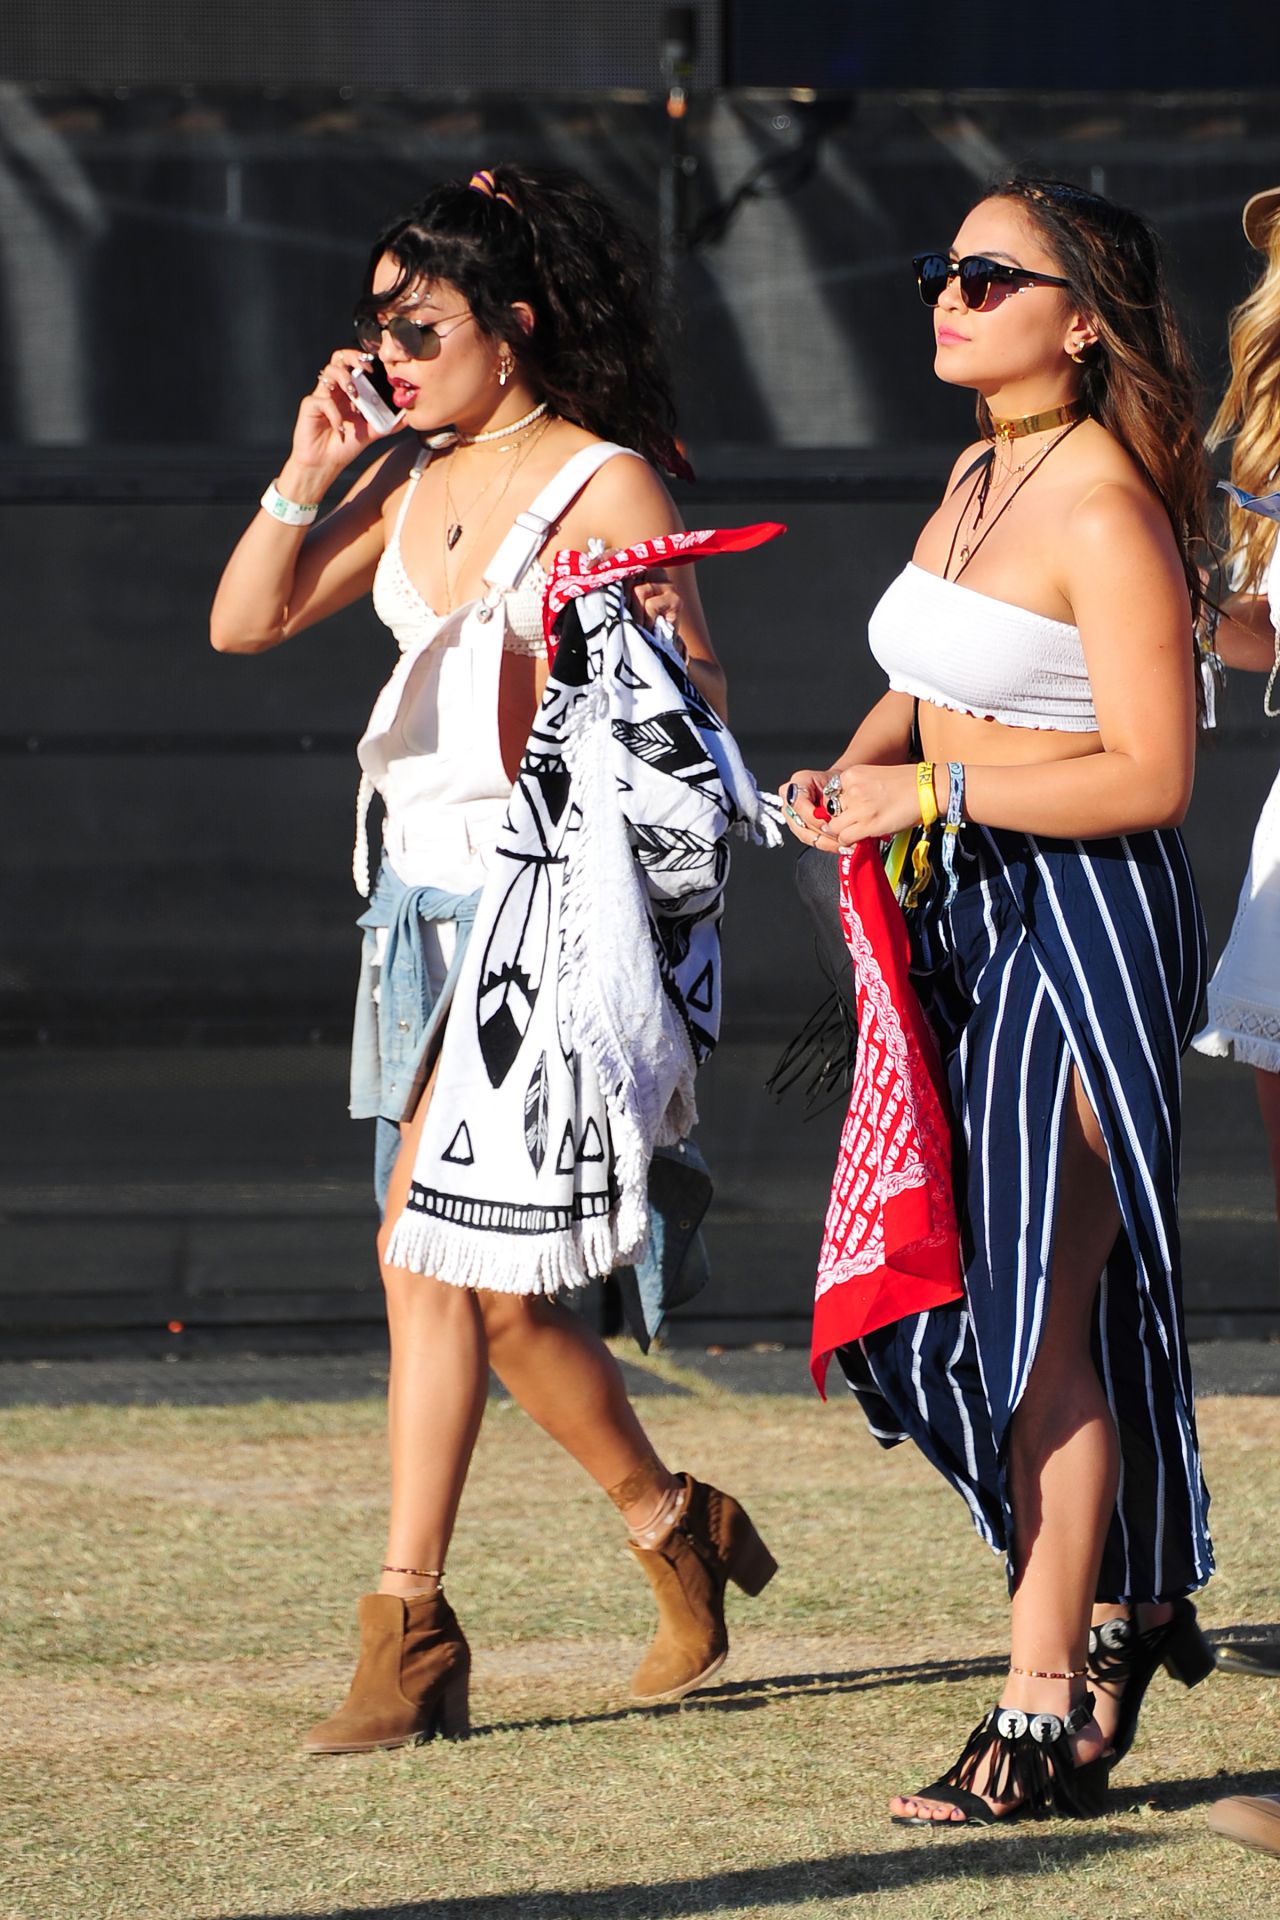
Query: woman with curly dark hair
x,y
513,315
1042,704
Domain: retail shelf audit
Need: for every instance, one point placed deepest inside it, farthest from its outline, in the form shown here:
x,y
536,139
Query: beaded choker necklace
x,y
1014,429
501,433
442,438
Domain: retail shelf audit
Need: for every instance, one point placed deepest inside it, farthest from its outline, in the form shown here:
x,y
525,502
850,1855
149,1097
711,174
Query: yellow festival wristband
x,y
921,866
927,797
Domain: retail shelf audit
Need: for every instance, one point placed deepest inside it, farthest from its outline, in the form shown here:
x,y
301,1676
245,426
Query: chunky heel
x,y
1089,1787
1126,1658
751,1565
1186,1655
453,1722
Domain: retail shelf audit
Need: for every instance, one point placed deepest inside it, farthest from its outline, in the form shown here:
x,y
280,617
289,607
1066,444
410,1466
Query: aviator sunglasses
x,y
977,275
420,339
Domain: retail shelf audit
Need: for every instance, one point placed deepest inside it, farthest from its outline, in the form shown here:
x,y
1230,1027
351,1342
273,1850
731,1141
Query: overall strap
x,y
529,531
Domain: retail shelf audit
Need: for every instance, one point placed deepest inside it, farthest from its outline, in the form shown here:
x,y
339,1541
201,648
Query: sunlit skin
x,y
1086,541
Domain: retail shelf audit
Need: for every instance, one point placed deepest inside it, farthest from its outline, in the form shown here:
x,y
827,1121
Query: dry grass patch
x,y
179,1605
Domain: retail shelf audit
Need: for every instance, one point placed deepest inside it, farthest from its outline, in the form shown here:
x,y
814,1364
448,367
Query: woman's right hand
x,y
330,429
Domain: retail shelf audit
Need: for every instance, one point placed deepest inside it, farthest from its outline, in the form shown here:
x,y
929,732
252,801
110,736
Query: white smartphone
x,y
380,414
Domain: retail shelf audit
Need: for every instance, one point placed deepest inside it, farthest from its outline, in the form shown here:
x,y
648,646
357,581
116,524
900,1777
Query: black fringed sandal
x,y
1031,1766
1121,1654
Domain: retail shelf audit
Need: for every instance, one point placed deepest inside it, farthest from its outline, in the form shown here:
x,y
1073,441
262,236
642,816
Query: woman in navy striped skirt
x,y
1040,659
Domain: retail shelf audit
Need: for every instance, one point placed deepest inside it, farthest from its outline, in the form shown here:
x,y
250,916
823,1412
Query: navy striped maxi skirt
x,y
1057,953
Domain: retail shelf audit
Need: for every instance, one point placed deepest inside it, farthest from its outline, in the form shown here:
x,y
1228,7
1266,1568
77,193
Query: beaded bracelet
x,y
289,512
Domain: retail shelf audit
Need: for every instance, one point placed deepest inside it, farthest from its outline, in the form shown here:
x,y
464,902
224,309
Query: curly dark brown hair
x,y
548,238
1139,380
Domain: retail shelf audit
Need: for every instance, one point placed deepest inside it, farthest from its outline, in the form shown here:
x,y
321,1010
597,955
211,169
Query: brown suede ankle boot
x,y
712,1542
410,1682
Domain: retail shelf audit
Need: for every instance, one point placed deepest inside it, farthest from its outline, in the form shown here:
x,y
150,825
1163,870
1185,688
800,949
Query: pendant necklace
x,y
982,485
453,528
522,427
1005,432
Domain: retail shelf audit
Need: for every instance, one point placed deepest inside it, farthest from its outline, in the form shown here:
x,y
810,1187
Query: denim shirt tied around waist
x,y
398,1019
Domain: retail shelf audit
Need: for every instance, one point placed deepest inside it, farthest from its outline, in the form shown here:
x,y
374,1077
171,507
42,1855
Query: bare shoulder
x,y
1090,458
965,461
1108,498
627,501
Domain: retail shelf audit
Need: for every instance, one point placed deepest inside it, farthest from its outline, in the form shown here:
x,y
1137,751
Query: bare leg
x,y
436,1398
1063,1455
443,1340
566,1379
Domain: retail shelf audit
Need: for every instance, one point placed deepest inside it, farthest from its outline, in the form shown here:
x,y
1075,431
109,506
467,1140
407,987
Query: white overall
x,y
431,750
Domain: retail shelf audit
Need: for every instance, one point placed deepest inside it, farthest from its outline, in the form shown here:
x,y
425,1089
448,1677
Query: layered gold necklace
x,y
521,447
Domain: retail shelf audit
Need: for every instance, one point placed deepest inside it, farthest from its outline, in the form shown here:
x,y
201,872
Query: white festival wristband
x,y
288,512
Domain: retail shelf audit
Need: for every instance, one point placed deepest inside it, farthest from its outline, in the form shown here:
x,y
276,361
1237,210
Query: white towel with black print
x,y
590,989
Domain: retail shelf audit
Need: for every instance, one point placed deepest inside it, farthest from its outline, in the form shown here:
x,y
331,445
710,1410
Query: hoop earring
x,y
1077,355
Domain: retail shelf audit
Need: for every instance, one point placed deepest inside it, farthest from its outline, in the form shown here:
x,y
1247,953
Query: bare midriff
x,y
947,735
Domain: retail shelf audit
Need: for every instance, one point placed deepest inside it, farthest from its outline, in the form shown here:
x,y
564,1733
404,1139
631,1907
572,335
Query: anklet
x,y
419,1573
1035,1673
668,1511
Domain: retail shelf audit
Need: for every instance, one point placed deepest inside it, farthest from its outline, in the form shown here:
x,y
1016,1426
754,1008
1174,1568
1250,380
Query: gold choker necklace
x,y
1038,422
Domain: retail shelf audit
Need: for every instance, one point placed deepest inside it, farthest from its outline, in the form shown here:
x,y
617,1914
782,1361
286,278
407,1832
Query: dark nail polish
x,y
791,793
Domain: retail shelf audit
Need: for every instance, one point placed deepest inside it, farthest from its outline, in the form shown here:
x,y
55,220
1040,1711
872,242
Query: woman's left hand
x,y
656,599
873,803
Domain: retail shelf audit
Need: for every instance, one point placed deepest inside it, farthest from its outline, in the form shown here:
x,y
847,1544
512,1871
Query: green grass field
x,y
178,1605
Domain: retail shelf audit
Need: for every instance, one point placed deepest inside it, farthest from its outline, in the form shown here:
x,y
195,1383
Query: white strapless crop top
x,y
943,642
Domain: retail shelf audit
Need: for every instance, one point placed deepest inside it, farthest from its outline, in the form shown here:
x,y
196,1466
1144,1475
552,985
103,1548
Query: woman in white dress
x,y
1244,994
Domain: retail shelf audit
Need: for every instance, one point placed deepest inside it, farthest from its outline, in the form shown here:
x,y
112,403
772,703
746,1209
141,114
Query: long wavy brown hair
x,y
1250,411
1139,380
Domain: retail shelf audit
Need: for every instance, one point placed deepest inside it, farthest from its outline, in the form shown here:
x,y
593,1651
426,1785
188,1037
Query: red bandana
x,y
890,1246
573,574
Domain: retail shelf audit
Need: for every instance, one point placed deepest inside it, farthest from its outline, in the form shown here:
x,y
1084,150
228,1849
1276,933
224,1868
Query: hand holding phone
x,y
377,410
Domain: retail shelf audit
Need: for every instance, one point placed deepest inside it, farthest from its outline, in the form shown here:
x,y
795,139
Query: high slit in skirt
x,y
1056,954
